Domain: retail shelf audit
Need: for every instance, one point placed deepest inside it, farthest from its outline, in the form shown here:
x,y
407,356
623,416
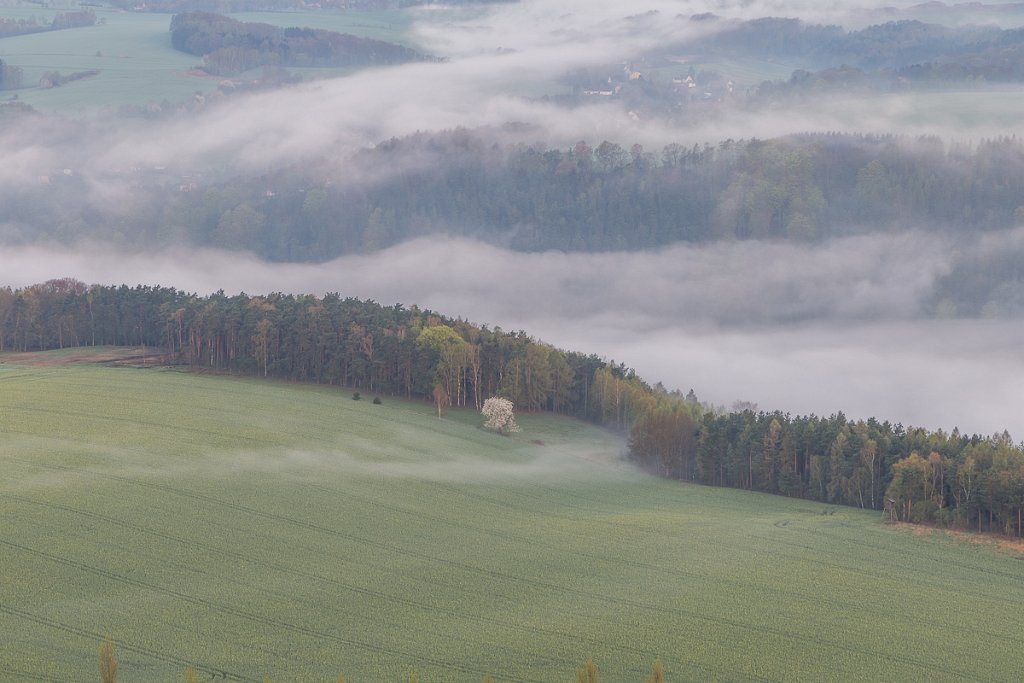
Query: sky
x,y
838,326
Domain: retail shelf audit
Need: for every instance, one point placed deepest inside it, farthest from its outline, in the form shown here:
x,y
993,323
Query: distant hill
x,y
230,47
599,195
454,363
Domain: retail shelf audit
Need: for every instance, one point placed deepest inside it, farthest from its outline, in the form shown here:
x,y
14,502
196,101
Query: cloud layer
x,y
810,329
723,284
499,62
839,326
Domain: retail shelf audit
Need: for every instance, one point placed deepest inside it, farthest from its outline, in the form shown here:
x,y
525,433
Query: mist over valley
x,y
281,172
855,325
405,340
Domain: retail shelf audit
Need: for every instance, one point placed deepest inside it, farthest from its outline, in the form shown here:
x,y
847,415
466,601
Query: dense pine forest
x,y
932,477
590,197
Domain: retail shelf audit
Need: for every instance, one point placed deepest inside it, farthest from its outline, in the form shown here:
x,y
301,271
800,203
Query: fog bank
x,y
501,62
838,326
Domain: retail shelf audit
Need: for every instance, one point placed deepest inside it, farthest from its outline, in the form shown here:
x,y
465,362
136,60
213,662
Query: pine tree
x,y
108,665
586,673
657,674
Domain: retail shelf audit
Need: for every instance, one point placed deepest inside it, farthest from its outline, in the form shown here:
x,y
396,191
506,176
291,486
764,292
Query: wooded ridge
x,y
932,477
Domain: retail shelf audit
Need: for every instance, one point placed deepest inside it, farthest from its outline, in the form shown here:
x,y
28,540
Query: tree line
x,y
329,340
934,477
61,20
849,80
588,197
10,76
930,476
890,45
230,47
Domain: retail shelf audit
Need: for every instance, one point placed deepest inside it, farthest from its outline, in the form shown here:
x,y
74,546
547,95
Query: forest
x,y
230,47
890,45
10,76
802,189
935,477
530,197
61,20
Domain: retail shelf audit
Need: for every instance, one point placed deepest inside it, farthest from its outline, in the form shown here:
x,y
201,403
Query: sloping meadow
x,y
250,529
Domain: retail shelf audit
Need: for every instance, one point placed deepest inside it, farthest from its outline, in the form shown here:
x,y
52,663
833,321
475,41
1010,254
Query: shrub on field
x,y
499,414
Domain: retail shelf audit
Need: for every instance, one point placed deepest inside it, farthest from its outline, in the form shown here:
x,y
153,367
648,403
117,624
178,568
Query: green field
x,y
132,52
268,529
137,65
390,25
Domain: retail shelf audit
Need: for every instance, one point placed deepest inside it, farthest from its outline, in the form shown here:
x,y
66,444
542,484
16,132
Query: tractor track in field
x,y
1015,576
494,574
876,575
632,564
223,609
1000,635
783,524
290,571
121,421
80,566
31,675
547,586
63,627
787,527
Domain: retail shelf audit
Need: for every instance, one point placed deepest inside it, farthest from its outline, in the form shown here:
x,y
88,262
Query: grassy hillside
x,y
137,65
132,52
267,529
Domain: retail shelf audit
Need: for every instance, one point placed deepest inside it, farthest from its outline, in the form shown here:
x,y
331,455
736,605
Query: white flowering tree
x,y
500,418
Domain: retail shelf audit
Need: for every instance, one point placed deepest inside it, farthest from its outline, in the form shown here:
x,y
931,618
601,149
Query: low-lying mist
x,y
403,452
846,325
853,324
500,65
